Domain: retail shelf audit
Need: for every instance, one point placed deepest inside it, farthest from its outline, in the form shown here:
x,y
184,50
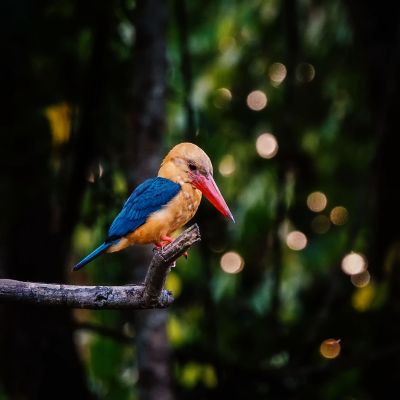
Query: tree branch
x,y
162,263
149,295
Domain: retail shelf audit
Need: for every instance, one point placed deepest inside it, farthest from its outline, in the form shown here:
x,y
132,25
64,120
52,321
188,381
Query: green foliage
x,y
111,369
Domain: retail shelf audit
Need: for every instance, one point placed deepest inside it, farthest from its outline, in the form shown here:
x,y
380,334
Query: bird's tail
x,y
95,253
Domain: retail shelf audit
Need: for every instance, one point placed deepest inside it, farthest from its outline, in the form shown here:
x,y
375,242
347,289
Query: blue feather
x,y
146,199
95,253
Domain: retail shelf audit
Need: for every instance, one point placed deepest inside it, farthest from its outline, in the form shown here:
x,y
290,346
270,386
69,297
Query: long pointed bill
x,y
210,189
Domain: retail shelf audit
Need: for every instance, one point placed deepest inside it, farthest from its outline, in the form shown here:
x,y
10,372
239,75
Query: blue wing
x,y
148,197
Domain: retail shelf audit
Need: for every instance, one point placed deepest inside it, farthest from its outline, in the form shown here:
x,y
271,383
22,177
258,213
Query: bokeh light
x,y
320,224
223,96
330,348
227,165
305,72
232,262
95,173
339,215
176,330
257,100
317,201
59,117
361,280
267,145
363,298
354,263
277,73
173,283
296,240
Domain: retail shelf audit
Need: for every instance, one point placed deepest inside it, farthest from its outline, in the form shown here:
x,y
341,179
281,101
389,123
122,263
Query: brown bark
x,y
149,295
162,263
143,158
91,297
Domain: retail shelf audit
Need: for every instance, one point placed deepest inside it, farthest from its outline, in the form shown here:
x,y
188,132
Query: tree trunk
x,y
377,28
143,160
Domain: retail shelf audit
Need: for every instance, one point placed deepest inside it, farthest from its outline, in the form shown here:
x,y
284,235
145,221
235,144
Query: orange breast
x,y
175,214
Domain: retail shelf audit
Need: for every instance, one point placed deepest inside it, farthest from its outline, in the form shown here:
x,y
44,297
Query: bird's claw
x,y
164,240
157,247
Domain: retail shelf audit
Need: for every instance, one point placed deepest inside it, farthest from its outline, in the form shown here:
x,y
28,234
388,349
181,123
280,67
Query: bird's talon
x,y
157,247
166,239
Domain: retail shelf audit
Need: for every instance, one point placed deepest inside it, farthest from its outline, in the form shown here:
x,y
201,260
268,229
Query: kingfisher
x,y
159,206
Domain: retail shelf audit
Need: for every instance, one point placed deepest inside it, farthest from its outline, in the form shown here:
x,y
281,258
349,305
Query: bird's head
x,y
188,163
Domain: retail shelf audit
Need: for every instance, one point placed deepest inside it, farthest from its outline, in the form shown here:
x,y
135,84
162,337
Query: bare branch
x,y
163,261
94,297
149,295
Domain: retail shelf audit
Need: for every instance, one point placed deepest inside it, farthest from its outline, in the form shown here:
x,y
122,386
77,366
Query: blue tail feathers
x,y
95,253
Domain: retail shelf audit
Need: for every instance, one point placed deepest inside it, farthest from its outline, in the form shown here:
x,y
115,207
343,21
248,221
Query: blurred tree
x,y
142,160
43,185
377,30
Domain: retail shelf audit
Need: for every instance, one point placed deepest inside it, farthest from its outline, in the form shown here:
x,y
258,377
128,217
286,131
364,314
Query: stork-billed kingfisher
x,y
159,206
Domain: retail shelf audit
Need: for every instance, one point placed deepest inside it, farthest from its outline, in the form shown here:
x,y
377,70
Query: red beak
x,y
210,189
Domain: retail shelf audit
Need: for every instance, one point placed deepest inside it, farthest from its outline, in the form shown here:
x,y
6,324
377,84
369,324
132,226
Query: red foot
x,y
164,241
167,239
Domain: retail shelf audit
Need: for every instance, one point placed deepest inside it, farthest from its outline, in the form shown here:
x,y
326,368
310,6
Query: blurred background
x,y
295,103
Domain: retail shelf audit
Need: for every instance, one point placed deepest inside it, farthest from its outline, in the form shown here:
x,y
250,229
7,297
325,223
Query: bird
x,y
161,205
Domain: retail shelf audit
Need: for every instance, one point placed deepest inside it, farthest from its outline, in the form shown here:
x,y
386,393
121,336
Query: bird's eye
x,y
192,167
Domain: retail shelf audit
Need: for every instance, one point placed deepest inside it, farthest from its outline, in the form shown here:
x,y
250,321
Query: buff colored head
x,y
188,163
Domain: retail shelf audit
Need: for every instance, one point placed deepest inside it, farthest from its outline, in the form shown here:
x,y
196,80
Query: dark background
x,y
94,93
